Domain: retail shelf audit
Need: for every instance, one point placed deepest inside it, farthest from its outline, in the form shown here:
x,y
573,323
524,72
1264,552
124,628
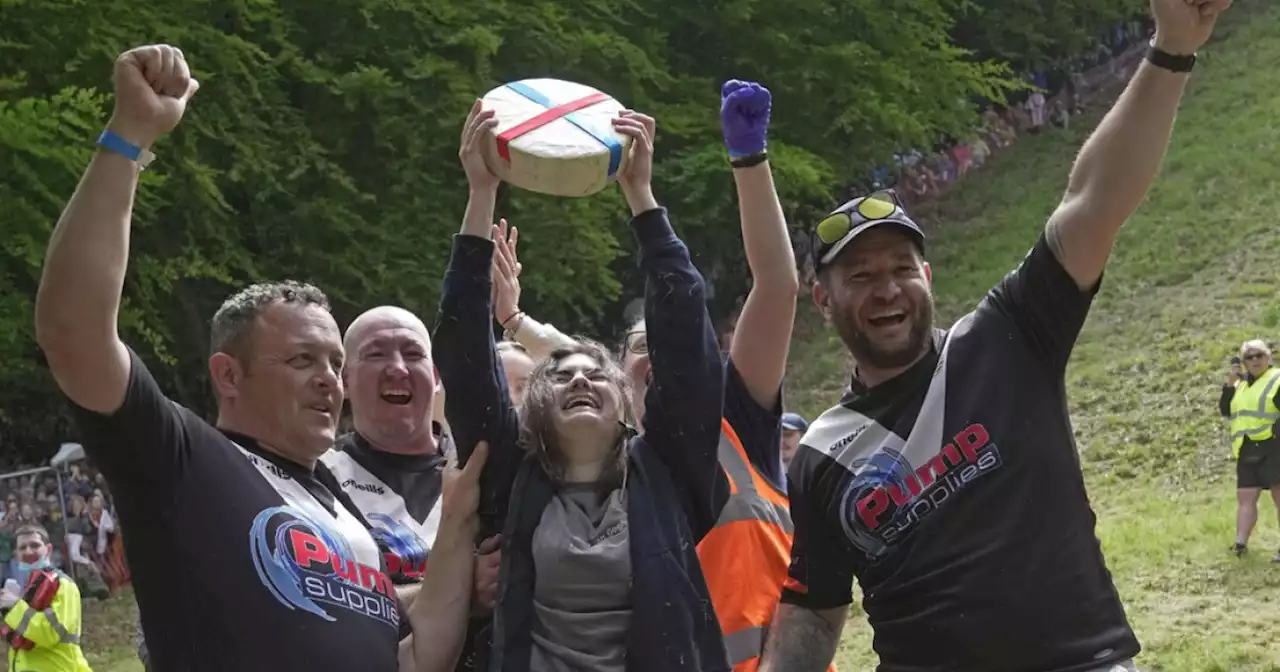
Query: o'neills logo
x,y
306,565
888,499
365,487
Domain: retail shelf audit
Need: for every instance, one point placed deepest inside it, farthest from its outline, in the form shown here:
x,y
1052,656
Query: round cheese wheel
x,y
554,137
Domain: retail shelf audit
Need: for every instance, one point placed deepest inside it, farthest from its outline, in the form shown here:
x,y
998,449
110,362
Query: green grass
x,y
1193,274
108,634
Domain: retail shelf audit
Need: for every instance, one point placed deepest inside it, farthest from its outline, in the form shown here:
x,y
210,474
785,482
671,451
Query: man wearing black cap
x,y
947,479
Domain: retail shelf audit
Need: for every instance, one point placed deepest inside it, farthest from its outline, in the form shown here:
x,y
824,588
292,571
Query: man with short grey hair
x,y
246,553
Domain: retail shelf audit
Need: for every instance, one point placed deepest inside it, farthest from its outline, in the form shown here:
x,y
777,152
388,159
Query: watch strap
x,y
752,159
1172,62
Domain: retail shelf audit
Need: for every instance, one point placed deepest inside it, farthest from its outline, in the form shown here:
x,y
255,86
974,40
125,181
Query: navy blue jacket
x,y
675,489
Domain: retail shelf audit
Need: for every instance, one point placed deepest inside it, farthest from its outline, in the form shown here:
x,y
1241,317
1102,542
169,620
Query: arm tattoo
x,y
801,640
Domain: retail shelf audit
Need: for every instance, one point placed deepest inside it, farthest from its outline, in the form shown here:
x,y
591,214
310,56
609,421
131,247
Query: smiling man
x,y
246,555
947,480
392,465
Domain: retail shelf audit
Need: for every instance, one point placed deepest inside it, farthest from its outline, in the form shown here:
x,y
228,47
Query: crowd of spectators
x,y
1054,96
86,538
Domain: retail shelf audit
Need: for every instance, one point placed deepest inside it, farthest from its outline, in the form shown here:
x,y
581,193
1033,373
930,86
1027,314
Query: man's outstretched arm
x,y
802,640
79,296
1119,162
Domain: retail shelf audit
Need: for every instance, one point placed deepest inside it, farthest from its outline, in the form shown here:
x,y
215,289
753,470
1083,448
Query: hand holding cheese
x,y
553,137
480,123
636,176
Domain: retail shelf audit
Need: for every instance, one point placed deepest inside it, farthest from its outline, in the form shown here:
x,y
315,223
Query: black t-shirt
x,y
953,493
758,428
241,560
399,496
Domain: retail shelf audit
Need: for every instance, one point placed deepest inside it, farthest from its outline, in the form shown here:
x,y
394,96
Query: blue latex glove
x,y
744,117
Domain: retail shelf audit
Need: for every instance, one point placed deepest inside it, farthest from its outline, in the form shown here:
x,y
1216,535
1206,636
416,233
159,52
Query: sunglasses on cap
x,y
846,222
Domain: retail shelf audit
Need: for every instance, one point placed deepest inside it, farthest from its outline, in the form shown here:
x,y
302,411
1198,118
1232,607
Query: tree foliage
x,y
323,143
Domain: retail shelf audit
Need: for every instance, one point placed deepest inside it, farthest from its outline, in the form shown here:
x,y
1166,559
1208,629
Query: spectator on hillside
x,y
1249,399
881,178
79,482
944,168
914,186
109,547
7,528
980,151
1017,118
793,428
962,156
1035,109
79,531
57,529
907,158
997,129
27,514
100,487
1059,115
12,509
801,244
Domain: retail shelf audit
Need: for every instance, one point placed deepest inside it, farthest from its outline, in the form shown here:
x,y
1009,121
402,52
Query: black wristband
x,y
1168,61
752,159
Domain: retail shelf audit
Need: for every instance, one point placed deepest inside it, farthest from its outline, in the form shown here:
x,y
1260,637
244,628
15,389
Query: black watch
x,y
1173,62
752,159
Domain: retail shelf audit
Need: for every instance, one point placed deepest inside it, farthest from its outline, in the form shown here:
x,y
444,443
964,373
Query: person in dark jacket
x,y
599,523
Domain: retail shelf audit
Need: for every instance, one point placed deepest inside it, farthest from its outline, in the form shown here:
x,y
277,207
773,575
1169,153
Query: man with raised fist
x,y
246,553
947,480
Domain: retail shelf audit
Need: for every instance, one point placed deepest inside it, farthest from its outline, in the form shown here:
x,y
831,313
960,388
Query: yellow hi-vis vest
x,y
1253,410
43,628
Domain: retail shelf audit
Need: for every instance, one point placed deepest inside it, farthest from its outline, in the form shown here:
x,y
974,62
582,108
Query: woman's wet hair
x,y
537,429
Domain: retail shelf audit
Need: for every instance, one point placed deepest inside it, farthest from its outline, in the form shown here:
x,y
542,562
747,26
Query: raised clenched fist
x,y
1183,26
153,85
744,117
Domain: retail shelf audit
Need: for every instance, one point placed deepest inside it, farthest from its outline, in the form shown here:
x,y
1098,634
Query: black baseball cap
x,y
844,224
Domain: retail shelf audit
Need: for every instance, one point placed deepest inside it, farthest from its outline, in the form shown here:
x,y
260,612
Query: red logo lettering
x,y
872,506
972,439
307,549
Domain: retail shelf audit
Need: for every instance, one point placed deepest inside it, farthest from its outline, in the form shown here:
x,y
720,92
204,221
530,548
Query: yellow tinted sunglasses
x,y
877,206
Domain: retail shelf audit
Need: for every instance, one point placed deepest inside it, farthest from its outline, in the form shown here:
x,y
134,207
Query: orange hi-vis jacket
x,y
746,555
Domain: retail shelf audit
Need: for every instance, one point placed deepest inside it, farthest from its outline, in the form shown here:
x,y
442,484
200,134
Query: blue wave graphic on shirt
x,y
276,569
884,467
398,539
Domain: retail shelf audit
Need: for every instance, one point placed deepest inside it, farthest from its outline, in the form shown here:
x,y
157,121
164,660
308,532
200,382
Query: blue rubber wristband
x,y
111,141
120,146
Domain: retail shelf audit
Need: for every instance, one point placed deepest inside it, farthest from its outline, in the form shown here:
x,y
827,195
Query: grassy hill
x,y
1193,275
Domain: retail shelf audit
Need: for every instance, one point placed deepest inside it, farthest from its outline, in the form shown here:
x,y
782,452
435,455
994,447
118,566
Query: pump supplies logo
x,y
887,498
405,551
306,565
